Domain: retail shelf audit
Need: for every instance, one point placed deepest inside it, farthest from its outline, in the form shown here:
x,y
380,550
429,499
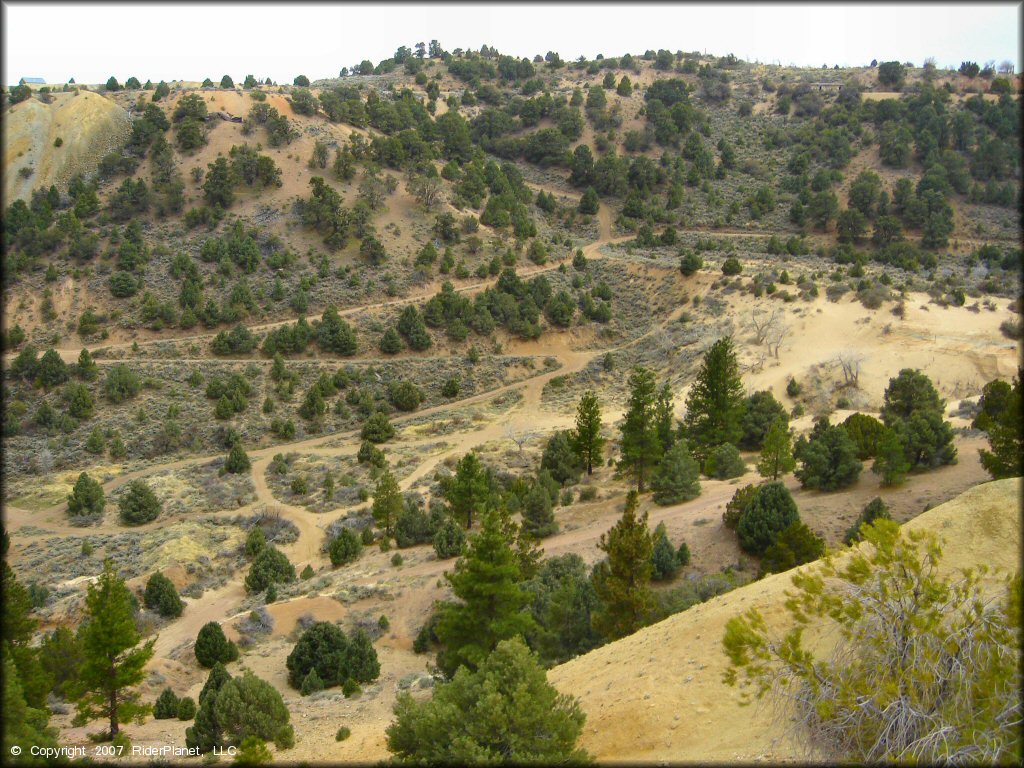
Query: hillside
x,y
658,696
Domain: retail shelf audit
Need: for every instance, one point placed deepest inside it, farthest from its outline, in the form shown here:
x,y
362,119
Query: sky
x,y
164,41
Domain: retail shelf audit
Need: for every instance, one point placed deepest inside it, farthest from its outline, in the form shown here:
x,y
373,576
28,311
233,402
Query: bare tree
x,y
850,362
517,436
764,325
779,333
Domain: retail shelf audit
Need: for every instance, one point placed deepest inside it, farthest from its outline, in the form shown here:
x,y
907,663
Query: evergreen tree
x,y
890,460
663,418
212,646
468,489
1006,437
777,452
664,561
770,512
86,497
640,445
586,439
237,461
828,461
505,712
113,660
206,732
166,705
914,410
486,582
538,513
714,405
162,597
677,477
138,504
18,629
387,503
621,582
24,726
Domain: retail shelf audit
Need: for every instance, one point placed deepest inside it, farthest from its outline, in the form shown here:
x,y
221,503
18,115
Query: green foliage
x,y
664,557
622,581
891,74
213,647
271,566
468,490
1005,430
344,548
237,461
794,545
162,597
138,504
890,459
914,410
874,510
865,432
255,541
505,711
641,445
931,675
677,477
761,411
324,649
486,582
770,511
247,706
560,459
586,440
777,452
113,660
334,334
449,539
724,462
562,600
86,497
387,502
207,733
186,708
714,405
377,428
538,513
253,750
828,461
690,263
166,706
121,384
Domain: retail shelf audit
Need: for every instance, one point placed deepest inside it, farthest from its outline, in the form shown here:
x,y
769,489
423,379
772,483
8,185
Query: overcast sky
x,y
158,41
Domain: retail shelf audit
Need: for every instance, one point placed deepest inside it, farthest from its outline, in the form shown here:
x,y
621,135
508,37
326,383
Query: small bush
x,y
343,733
212,646
724,462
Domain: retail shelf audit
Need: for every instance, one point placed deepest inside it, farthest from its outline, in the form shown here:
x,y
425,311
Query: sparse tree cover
x,y
622,580
927,668
503,711
560,459
113,661
874,510
86,497
486,581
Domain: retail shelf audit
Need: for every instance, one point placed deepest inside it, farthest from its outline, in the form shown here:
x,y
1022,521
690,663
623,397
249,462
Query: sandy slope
x,y
657,695
88,125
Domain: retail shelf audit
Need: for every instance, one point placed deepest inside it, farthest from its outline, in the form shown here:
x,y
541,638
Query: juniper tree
x,y
1006,437
777,452
622,581
677,477
714,405
114,661
468,489
387,502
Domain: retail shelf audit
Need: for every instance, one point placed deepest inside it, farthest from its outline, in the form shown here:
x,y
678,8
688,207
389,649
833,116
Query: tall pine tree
x,y
113,660
586,440
468,489
641,446
622,581
387,503
714,406
486,581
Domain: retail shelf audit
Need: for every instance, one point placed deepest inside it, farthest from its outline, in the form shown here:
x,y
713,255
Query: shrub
x,y
311,683
138,504
677,477
794,545
212,646
270,567
121,384
771,511
237,461
248,706
450,388
737,505
344,548
449,539
405,395
162,597
343,733
828,460
377,428
762,409
874,510
413,526
865,432
333,655
731,266
560,459
166,705
724,462
664,560
255,542
86,497
690,263
186,708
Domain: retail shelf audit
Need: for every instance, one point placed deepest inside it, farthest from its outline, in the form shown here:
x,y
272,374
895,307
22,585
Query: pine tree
x,y
468,489
18,627
714,406
86,497
114,662
621,582
677,477
586,440
486,581
641,446
777,452
663,418
387,503
538,513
